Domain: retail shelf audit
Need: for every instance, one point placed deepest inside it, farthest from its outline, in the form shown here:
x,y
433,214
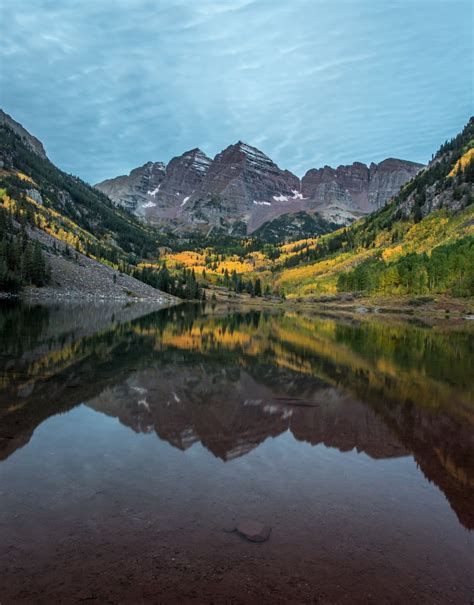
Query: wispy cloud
x,y
109,85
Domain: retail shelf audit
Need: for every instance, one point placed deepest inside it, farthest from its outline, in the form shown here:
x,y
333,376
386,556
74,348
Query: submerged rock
x,y
254,531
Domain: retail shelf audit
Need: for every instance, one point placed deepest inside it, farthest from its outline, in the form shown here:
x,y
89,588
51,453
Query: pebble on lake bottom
x,y
254,531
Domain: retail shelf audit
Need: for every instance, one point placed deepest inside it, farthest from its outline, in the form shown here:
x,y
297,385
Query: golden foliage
x,y
25,177
463,161
392,253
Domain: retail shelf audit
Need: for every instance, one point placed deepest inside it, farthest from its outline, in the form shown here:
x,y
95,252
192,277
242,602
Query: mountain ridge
x,y
248,188
31,141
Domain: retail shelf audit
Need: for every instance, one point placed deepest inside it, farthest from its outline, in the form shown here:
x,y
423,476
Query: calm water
x,y
129,439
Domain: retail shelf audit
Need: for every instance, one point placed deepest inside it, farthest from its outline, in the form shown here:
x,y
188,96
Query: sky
x,y
107,85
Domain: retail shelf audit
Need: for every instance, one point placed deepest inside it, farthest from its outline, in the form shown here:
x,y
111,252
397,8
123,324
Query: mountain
x,y
131,191
349,192
242,188
183,176
420,242
417,242
155,189
60,234
244,185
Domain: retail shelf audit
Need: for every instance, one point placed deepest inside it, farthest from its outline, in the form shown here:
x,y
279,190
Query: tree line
x,y
449,268
183,284
22,262
237,283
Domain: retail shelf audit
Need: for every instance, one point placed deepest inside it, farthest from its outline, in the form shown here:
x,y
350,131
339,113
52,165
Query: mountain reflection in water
x,y
230,380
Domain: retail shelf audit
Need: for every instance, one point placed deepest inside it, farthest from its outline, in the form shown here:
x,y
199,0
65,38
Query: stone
x,y
254,531
35,195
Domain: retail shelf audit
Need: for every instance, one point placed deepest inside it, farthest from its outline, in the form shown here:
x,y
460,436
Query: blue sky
x,y
109,84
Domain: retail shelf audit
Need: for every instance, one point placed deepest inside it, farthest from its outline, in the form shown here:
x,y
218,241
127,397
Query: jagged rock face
x,y
30,141
132,191
345,193
242,189
236,192
183,177
387,178
245,176
157,191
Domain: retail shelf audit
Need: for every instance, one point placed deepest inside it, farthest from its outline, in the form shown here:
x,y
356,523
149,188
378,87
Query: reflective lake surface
x,y
129,438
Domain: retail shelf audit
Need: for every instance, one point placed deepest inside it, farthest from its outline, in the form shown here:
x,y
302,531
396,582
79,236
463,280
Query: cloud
x,y
109,85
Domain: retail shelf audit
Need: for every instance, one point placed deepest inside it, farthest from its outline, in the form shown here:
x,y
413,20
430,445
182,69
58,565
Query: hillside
x,y
420,243
58,234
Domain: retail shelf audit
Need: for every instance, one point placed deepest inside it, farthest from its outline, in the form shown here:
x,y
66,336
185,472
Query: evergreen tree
x,y
257,287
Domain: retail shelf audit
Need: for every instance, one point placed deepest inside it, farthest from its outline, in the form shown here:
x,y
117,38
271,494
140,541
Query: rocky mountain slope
x,y
348,192
91,247
79,277
131,191
242,188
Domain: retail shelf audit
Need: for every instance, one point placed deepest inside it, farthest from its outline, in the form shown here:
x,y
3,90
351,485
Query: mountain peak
x,y
241,151
194,151
31,142
246,148
199,160
396,162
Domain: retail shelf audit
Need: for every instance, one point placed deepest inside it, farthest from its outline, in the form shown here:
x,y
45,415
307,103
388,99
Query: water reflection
x,y
230,380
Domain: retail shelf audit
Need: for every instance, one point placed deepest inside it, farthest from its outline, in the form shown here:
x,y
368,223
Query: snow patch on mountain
x,y
201,162
285,198
255,157
154,192
297,195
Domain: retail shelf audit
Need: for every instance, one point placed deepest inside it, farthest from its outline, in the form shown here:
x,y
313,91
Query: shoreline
x,y
164,300
442,307
445,307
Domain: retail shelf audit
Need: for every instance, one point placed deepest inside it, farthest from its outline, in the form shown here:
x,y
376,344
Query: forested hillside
x,y
22,261
33,182
46,213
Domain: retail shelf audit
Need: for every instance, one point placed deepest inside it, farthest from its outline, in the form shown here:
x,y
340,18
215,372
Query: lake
x,y
131,438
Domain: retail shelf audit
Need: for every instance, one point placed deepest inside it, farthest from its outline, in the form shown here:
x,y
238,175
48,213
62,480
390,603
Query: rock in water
x,y
254,531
